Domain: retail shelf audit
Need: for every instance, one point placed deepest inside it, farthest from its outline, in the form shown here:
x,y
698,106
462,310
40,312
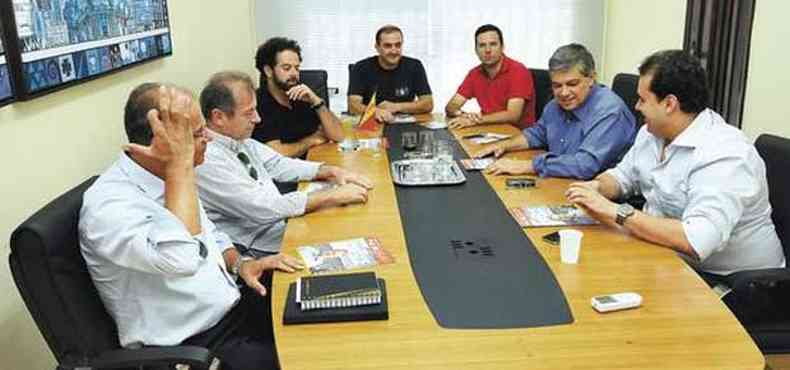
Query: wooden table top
x,y
681,324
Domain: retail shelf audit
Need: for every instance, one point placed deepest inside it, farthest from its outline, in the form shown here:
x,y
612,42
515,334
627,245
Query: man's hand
x,y
251,271
316,138
303,93
389,106
586,196
496,149
342,176
173,142
383,115
349,194
509,167
466,120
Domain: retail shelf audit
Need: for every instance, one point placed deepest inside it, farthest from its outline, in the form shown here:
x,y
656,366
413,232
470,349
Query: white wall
x,y
637,28
56,141
766,107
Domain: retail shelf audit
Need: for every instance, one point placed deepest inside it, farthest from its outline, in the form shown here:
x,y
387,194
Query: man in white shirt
x,y
163,271
236,182
704,182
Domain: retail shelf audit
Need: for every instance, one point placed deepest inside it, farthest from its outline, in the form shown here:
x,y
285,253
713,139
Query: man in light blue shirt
x,y
585,129
704,182
163,271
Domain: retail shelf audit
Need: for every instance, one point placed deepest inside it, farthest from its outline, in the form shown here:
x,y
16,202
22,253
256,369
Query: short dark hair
x,y
572,55
678,73
487,28
217,93
387,29
135,116
267,53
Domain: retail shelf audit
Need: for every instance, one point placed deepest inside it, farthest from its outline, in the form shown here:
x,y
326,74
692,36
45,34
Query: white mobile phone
x,y
614,302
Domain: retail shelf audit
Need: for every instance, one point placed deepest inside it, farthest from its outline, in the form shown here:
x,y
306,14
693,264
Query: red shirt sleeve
x,y
522,86
467,87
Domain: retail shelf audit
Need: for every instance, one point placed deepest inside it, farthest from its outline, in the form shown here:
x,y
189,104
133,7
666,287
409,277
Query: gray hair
x,y
217,93
572,55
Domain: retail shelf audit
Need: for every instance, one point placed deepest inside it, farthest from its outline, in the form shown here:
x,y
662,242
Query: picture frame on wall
x,y
54,44
6,93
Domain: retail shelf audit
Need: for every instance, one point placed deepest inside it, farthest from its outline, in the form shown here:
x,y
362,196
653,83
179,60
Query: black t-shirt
x,y
280,123
402,84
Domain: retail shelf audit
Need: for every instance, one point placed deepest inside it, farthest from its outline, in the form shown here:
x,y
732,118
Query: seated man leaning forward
x,y
166,275
236,182
704,182
298,119
399,82
502,87
586,128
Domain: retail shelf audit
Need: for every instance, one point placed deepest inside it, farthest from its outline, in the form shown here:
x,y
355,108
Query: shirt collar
x,y
583,111
696,132
226,141
145,180
506,62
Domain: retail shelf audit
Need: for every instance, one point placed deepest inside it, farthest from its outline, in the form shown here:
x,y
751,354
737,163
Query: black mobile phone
x,y
552,238
520,183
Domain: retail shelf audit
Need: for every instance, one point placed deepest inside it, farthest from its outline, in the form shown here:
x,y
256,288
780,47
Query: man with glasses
x,y
163,271
236,182
585,129
399,82
502,86
298,119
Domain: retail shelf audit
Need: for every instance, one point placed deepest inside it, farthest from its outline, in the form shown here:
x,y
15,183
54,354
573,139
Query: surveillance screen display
x,y
69,40
5,81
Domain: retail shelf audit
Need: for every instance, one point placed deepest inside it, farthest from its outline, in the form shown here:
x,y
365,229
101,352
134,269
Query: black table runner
x,y
475,267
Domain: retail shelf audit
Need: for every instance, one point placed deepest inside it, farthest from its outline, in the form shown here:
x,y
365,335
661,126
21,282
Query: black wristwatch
x,y
319,105
624,211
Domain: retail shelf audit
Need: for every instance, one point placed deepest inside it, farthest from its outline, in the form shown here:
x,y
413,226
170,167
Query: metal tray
x,y
426,172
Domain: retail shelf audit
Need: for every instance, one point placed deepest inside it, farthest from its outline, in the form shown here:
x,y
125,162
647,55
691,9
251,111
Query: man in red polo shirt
x,y
502,86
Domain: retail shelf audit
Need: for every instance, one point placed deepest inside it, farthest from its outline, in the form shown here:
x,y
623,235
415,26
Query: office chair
x,y
54,283
543,94
316,80
760,299
624,85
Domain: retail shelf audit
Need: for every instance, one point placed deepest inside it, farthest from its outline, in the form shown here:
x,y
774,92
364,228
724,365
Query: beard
x,y
285,85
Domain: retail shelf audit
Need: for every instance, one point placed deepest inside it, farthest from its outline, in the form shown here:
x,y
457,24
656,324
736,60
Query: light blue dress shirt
x,y
252,212
146,266
713,180
583,142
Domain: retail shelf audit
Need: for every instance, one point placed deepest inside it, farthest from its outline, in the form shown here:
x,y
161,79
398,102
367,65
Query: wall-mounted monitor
x,y
6,94
52,44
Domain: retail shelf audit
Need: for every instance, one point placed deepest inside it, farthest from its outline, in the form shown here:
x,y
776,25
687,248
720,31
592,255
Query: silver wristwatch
x,y
237,265
624,211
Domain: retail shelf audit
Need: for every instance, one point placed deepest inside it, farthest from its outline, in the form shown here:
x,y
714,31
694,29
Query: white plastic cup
x,y
570,244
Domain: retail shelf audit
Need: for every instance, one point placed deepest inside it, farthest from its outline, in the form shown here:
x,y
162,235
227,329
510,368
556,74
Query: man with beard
x,y
399,82
585,129
297,118
502,87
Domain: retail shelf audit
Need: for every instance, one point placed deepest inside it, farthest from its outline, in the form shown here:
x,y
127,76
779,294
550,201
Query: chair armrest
x,y
760,295
198,358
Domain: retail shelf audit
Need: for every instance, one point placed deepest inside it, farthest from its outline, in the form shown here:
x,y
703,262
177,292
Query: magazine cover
x,y
559,215
344,255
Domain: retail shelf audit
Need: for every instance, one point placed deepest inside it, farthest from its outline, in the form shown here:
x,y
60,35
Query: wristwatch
x,y
624,211
237,265
318,106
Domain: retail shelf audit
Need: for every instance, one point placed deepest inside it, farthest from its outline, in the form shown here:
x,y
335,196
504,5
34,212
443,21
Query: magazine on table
x,y
344,255
555,215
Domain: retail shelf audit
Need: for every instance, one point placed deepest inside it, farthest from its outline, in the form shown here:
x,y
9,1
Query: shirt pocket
x,y
672,201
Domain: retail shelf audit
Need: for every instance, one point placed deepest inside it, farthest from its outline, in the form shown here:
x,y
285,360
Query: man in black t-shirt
x,y
399,82
294,118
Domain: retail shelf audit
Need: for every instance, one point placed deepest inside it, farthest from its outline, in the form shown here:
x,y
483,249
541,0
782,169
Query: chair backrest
x,y
54,282
543,94
316,80
625,85
775,150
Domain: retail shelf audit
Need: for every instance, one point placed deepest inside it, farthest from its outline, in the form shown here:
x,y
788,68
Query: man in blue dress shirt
x,y
585,129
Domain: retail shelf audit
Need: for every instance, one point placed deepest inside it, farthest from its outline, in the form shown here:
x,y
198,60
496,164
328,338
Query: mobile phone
x,y
552,238
520,183
614,302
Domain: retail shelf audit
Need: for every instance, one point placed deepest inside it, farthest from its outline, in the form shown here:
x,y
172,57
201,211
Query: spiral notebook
x,y
295,315
338,291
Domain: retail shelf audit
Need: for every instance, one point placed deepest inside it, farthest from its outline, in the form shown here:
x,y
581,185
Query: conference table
x,y
681,324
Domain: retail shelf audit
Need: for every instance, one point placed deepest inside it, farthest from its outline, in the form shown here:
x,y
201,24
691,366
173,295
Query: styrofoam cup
x,y
570,244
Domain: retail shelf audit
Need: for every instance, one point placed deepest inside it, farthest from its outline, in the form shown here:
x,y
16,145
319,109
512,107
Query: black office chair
x,y
54,282
624,85
760,299
543,94
316,80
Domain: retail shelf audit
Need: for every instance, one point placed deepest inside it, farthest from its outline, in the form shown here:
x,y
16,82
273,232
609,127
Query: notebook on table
x,y
295,315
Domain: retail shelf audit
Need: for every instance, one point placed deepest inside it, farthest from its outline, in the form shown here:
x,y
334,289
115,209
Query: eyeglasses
x,y
246,161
